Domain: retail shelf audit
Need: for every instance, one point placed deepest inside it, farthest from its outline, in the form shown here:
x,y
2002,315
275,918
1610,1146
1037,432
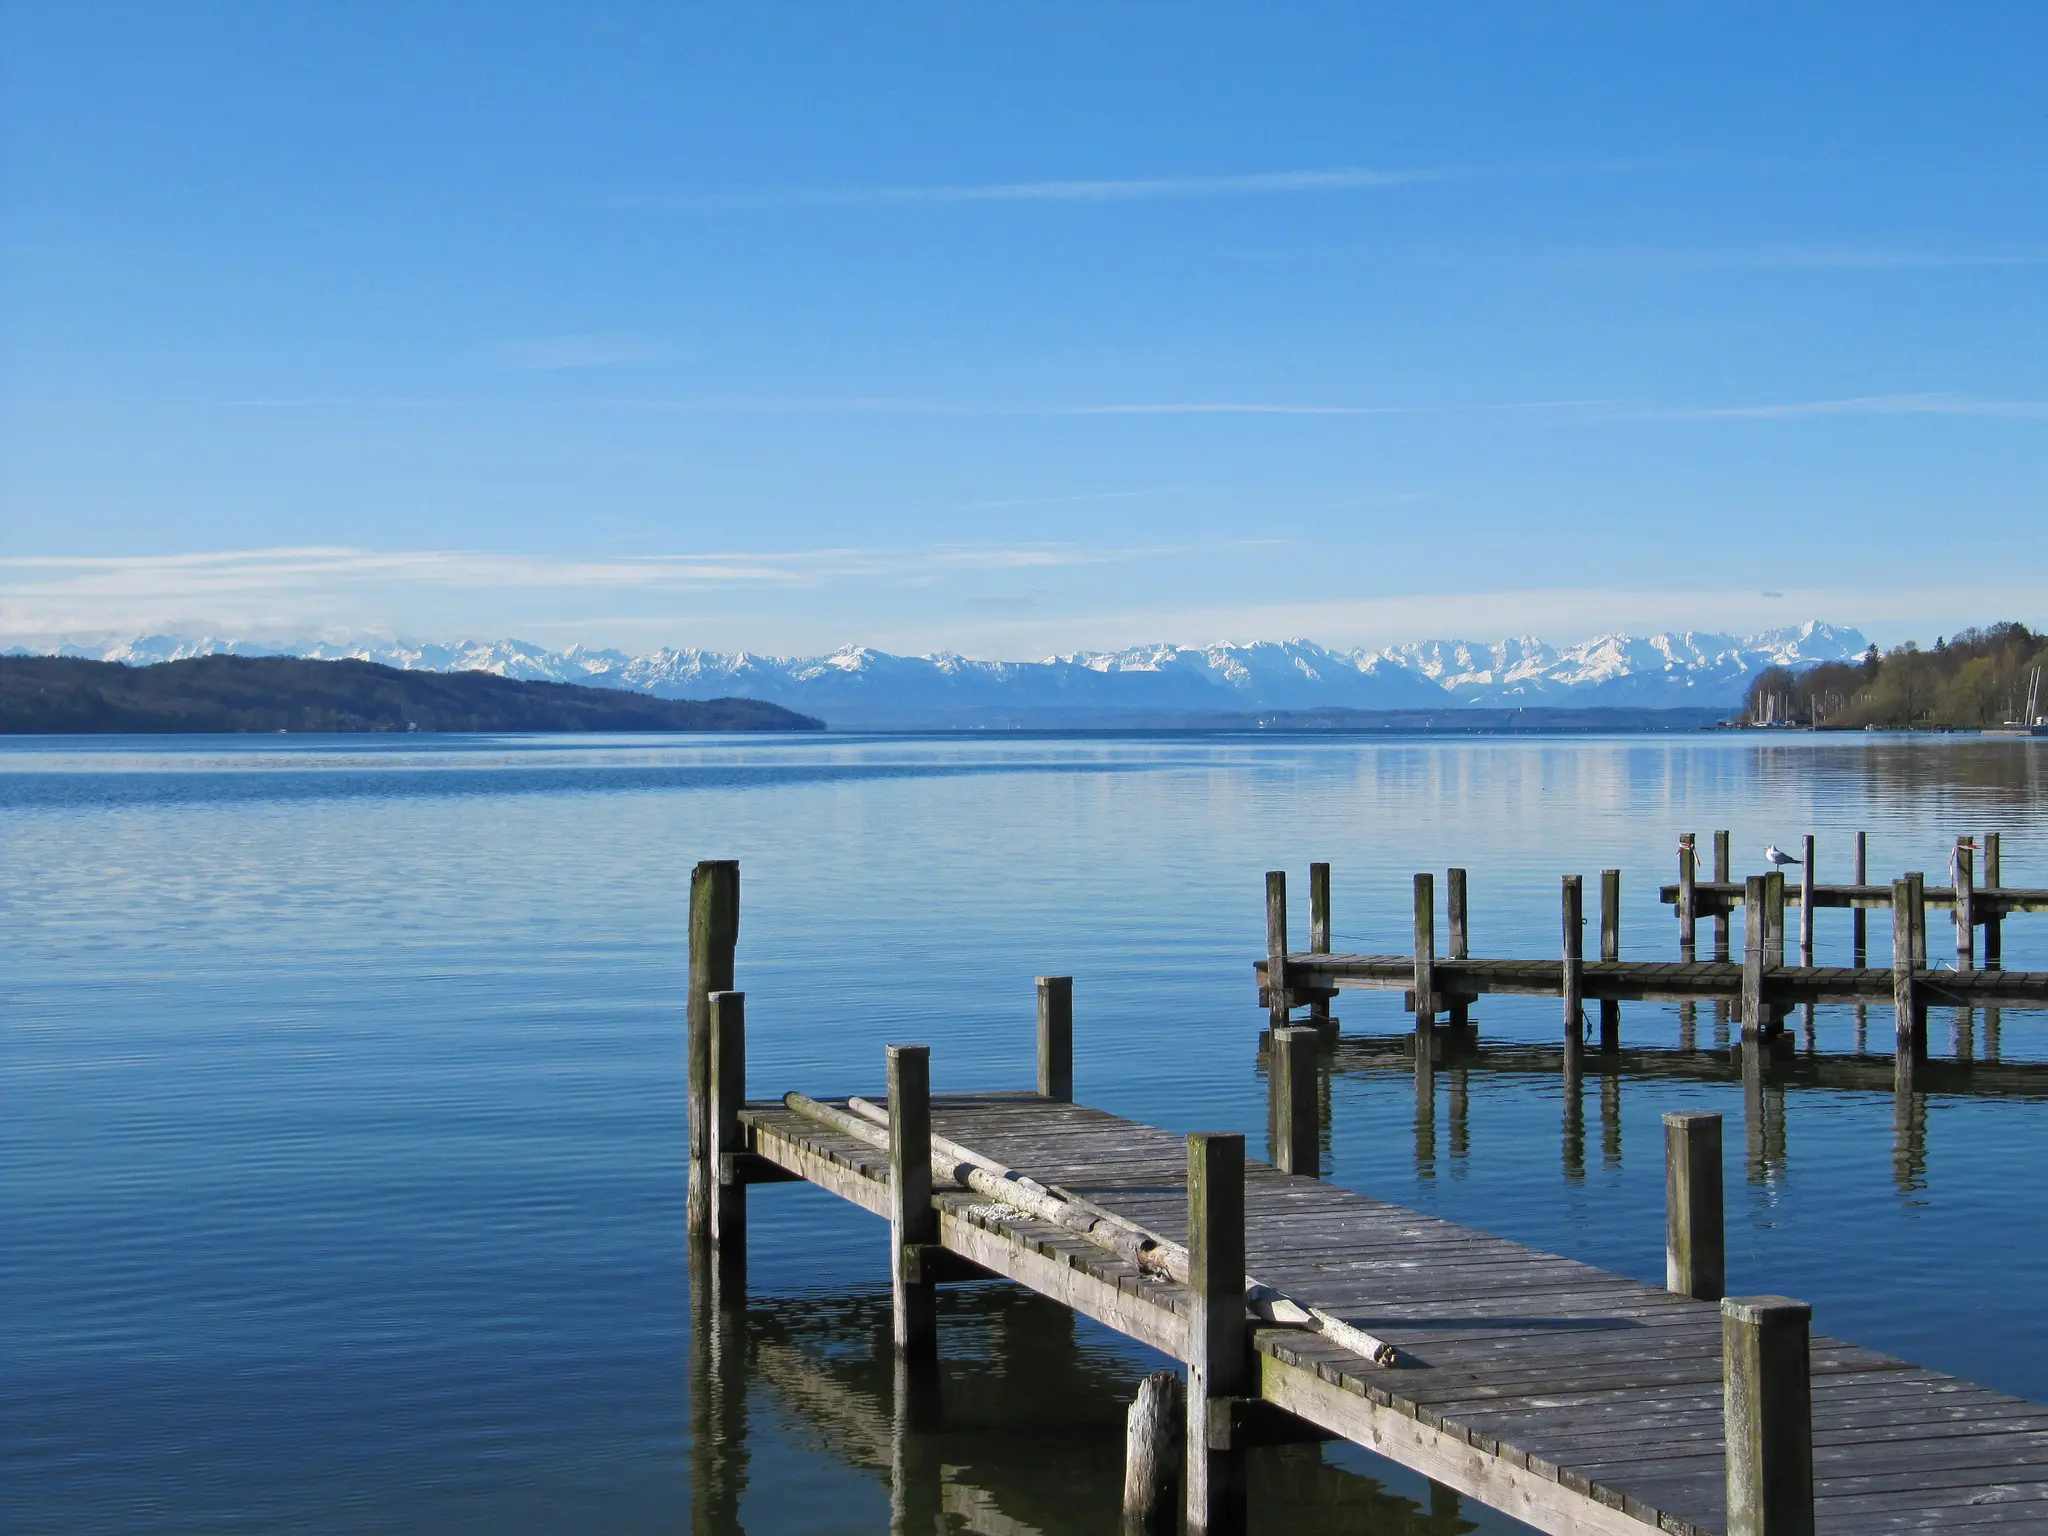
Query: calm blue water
x,y
342,1128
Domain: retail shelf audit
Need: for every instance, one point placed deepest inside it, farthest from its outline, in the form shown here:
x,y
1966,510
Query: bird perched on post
x,y
1779,856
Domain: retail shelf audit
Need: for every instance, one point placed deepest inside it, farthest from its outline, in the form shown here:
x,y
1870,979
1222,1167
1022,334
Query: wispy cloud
x,y
1853,405
1126,189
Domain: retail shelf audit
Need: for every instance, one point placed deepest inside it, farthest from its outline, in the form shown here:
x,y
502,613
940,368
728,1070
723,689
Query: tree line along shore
x,y
1967,681
61,695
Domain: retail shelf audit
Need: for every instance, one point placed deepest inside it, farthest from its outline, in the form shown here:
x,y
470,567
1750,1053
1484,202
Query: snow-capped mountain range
x,y
856,688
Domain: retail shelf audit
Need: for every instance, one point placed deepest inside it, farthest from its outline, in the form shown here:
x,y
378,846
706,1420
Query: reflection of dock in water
x,y
1020,1433
1449,1081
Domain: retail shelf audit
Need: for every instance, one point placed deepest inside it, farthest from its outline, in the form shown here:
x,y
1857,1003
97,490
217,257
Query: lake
x,y
343,1115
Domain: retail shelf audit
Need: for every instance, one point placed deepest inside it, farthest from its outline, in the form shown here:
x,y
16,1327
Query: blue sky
x,y
1017,329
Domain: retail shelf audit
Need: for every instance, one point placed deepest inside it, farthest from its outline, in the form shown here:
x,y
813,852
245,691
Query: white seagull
x,y
1779,856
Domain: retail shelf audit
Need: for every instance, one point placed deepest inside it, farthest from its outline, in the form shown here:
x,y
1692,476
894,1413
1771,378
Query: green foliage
x,y
1969,680
52,695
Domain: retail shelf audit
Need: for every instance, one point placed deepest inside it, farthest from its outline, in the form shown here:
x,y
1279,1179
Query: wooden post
x,y
1155,1445
1574,979
1994,920
1218,1353
714,933
1806,903
913,1223
1688,895
1755,919
1056,1038
728,1097
1916,916
1425,961
1292,1064
1768,1414
1774,918
1722,866
1966,905
1905,1001
1859,922
1276,949
1319,934
1610,949
1694,1243
1458,900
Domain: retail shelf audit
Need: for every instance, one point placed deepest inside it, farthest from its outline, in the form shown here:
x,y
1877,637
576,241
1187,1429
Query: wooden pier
x,y
1761,991
1570,1398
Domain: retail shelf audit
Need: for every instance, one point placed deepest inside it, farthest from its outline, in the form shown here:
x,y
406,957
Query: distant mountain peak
x,y
858,686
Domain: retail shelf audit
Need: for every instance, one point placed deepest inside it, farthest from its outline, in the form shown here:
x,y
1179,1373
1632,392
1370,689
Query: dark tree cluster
x,y
1967,681
59,695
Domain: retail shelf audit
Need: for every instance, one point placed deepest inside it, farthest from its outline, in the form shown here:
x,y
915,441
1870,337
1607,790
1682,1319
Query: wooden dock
x,y
1570,1398
1567,1397
1761,990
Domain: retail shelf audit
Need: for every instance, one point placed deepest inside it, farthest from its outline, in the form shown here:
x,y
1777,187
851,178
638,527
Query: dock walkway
x,y
1568,1397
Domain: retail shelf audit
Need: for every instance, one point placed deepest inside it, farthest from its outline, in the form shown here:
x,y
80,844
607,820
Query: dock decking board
x,y
1569,1397
1717,897
1310,975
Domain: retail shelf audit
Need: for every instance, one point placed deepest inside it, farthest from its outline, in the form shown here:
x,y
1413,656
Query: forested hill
x,y
62,695
1968,680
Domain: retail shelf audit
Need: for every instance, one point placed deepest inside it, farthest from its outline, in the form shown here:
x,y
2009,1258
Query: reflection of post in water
x,y
1862,1029
1754,1160
1909,1128
1610,1119
1720,1025
1574,1117
1461,1137
1425,1111
916,1499
1991,1025
1806,1026
718,1395
1966,1034
1688,1026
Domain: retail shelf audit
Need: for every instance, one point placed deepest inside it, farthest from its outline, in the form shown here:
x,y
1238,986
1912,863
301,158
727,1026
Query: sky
x,y
1013,330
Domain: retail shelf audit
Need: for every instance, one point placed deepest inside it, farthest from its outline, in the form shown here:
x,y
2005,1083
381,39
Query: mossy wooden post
x,y
1859,923
1572,982
1917,919
1056,1038
1688,893
1425,966
1276,949
1806,903
714,933
1319,936
913,1223
728,1097
1155,1446
1755,920
1695,1250
1911,1036
1994,920
1774,918
1966,905
1458,901
1219,1355
1722,866
1610,949
1293,1063
1768,1415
